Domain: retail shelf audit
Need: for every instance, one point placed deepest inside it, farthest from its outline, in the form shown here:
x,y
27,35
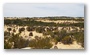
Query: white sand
x,y
27,48
71,46
63,46
59,21
25,35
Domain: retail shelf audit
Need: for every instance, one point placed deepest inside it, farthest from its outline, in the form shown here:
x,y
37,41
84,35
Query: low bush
x,y
29,29
21,29
30,34
9,29
19,42
7,45
40,30
79,37
67,40
42,43
6,33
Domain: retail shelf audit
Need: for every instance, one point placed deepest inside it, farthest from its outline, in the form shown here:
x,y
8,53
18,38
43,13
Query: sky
x,y
43,9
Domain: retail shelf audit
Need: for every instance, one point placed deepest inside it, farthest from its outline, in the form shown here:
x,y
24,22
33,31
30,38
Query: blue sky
x,y
43,9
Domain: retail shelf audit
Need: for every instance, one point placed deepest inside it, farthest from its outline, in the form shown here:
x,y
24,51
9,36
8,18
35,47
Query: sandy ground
x,y
71,46
25,35
59,21
27,48
63,46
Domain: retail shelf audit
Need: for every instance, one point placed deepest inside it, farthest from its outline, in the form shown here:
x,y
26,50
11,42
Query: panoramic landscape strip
x,y
59,32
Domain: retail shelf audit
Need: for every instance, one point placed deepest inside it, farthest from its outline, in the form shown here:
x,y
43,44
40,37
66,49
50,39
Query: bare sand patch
x,y
71,46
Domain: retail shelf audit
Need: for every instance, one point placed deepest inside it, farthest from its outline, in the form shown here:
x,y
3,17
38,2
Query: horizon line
x,y
43,16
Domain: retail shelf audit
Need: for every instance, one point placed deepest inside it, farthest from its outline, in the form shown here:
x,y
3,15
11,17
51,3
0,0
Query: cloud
x,y
43,9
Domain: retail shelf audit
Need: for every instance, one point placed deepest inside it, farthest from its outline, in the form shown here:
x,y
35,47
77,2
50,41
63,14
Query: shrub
x,y
30,34
9,29
67,40
42,43
39,29
36,37
55,47
21,29
47,33
57,38
79,38
18,41
7,45
14,30
6,33
58,35
21,43
29,29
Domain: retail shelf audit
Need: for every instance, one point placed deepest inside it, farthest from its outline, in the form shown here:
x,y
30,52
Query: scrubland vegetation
x,y
51,33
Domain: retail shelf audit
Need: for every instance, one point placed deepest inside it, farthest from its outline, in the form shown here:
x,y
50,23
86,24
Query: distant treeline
x,y
32,22
52,18
57,17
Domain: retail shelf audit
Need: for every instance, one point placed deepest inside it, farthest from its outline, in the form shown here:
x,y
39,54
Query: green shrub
x,y
30,34
29,29
7,45
79,36
42,43
21,29
6,33
39,29
14,30
9,29
19,42
67,40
